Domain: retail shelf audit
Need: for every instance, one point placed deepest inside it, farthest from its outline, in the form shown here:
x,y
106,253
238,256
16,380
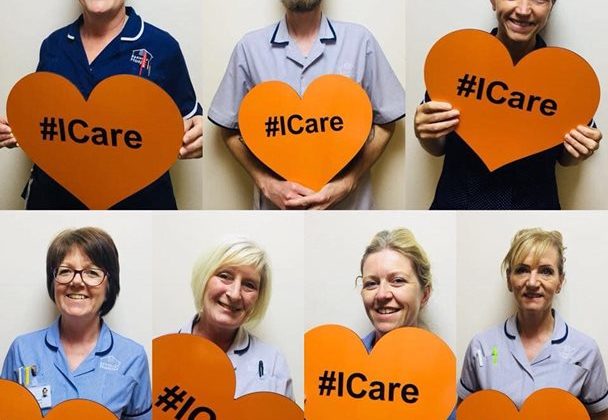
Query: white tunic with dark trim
x,y
341,48
257,366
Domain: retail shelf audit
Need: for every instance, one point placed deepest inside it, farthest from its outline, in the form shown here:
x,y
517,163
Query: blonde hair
x,y
402,240
233,253
535,242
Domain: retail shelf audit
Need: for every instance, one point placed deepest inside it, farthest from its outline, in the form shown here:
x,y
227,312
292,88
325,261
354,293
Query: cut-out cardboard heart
x,y
409,374
334,117
559,88
17,403
544,404
194,366
51,121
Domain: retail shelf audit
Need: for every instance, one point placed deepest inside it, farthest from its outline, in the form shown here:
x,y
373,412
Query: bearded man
x,y
303,46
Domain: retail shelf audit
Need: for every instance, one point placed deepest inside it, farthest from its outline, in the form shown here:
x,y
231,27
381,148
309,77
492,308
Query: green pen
x,y
494,355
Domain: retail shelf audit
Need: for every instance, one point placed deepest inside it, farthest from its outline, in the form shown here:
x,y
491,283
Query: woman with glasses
x,y
79,356
535,348
231,288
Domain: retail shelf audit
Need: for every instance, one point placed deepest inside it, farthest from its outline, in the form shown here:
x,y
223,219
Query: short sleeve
x,y
11,363
594,393
140,406
43,55
235,84
381,84
179,85
469,382
284,376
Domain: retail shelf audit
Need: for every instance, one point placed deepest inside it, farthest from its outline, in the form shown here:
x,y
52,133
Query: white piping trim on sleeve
x,y
191,114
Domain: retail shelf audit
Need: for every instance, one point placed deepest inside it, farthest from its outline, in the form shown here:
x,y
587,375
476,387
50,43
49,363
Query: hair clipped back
x,y
535,242
402,240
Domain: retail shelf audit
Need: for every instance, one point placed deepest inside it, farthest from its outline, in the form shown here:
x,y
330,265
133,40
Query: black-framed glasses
x,y
90,276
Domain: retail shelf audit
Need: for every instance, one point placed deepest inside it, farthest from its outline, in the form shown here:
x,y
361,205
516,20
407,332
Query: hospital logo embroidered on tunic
x,y
109,363
144,59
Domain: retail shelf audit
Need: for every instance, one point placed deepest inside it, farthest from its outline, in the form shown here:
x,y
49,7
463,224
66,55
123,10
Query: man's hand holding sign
x,y
307,141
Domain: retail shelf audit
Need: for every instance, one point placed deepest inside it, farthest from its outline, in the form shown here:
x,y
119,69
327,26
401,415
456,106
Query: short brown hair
x,y
96,244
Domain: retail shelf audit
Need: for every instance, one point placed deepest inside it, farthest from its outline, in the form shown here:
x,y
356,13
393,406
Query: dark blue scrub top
x,y
63,53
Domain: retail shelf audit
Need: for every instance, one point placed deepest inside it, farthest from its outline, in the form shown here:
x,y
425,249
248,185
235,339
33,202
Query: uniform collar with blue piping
x,y
104,344
240,345
281,38
560,329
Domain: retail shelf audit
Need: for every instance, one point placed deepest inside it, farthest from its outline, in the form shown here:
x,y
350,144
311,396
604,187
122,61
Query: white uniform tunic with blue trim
x,y
115,374
257,366
496,359
341,48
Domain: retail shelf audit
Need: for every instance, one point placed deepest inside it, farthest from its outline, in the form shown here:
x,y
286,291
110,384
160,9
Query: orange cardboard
x,y
102,149
329,125
520,110
544,404
16,402
409,374
203,372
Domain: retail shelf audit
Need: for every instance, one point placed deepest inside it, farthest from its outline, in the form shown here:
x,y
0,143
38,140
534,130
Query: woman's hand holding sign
x,y
6,135
432,122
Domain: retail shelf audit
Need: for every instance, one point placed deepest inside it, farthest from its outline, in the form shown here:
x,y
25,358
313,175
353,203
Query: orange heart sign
x,y
544,404
508,112
306,140
103,149
18,403
194,379
409,374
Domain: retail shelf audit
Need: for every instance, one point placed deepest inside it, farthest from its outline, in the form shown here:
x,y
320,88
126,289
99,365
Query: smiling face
x,y
76,299
391,293
535,283
230,296
519,21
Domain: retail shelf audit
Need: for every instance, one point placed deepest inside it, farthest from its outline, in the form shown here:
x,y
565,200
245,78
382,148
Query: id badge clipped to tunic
x,y
27,376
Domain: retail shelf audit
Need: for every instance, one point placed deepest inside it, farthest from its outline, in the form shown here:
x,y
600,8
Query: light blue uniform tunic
x,y
341,48
496,359
115,374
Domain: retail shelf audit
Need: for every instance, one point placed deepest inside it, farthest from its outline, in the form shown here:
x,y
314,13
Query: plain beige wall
x,y
226,184
25,26
483,299
581,187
